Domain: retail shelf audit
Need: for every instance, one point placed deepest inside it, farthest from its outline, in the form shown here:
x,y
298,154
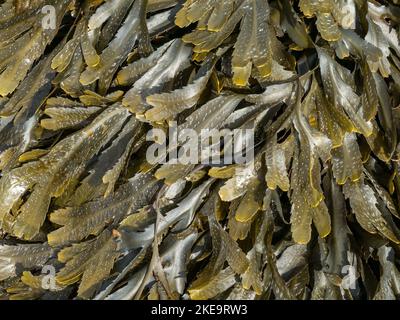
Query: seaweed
x,y
289,108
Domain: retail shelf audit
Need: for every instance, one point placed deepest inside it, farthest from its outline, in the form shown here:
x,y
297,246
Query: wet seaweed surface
x,y
312,214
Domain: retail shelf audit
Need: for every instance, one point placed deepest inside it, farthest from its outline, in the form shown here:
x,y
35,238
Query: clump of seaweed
x,y
85,214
